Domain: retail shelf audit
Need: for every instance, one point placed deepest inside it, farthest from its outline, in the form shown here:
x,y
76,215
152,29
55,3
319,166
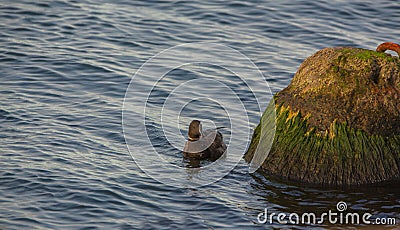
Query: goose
x,y
203,145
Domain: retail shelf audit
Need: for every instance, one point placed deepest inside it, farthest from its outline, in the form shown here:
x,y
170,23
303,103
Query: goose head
x,y
195,130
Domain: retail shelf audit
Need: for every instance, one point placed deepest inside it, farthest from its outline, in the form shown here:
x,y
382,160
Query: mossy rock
x,y
338,122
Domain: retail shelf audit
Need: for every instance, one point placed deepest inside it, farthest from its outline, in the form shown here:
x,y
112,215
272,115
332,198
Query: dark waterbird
x,y
208,144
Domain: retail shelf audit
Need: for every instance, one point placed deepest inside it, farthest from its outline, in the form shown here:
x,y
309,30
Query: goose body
x,y
203,145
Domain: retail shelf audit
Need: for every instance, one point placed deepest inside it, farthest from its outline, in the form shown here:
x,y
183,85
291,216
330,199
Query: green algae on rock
x,y
338,122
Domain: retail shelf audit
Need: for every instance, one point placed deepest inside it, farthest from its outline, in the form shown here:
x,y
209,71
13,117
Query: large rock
x,y
338,122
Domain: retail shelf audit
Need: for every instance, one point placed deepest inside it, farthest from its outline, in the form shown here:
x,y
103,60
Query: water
x,y
66,66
